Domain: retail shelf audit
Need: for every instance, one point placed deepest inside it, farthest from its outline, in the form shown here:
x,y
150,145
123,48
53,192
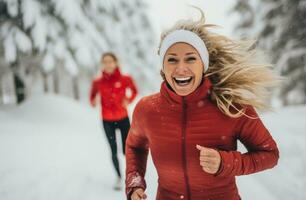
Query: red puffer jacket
x,y
171,126
112,89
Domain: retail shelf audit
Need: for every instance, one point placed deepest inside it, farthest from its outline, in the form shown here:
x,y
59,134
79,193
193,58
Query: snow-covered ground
x,y
52,147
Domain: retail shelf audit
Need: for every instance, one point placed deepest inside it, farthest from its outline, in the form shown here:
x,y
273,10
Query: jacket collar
x,y
200,93
113,76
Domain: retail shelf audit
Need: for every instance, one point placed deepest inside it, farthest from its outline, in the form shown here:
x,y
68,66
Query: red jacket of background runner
x,y
113,90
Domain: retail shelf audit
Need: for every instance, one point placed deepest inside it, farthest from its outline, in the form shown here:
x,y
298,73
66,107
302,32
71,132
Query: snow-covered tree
x,y
280,28
246,17
74,33
128,30
47,28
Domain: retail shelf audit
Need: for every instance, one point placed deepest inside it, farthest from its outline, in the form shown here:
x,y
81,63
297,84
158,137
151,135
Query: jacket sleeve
x,y
93,91
132,86
136,149
262,152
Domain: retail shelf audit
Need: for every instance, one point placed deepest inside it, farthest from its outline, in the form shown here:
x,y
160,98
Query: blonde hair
x,y
237,70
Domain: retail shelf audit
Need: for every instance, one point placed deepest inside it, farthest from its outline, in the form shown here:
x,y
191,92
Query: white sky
x,y
167,12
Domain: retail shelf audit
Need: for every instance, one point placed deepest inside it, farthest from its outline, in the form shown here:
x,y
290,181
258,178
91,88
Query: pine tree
x,y
74,33
128,31
246,22
280,27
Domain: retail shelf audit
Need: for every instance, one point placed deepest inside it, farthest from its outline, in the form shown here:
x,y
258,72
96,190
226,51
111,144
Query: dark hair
x,y
111,54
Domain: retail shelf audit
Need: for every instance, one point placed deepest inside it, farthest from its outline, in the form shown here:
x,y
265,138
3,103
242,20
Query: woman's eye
x,y
190,59
172,60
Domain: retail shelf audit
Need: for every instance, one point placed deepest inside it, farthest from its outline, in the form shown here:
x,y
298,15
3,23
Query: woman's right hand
x,y
93,103
138,194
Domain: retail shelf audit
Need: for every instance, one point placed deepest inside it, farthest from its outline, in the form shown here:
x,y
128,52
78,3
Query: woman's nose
x,y
181,67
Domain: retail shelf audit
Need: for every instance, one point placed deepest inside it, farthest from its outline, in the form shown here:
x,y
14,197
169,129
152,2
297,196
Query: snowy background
x,y
51,141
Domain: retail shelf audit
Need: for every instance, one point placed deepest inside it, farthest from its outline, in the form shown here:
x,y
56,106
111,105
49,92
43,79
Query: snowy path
x,y
53,148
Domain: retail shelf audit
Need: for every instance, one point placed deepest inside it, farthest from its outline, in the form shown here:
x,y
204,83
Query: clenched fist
x,y
210,159
125,103
138,194
93,103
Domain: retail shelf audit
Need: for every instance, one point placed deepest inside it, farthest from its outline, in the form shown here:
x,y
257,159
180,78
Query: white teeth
x,y
182,78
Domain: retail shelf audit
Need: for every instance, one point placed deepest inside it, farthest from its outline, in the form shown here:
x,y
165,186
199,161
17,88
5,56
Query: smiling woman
x,y
206,103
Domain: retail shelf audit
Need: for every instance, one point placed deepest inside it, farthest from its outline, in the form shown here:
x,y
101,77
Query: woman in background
x,y
112,88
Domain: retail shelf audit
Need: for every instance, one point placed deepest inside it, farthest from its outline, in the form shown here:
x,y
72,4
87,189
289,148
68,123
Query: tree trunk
x,y
1,91
55,81
45,82
75,88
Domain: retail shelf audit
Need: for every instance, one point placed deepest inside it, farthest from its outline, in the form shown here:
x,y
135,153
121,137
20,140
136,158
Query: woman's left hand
x,y
210,159
125,102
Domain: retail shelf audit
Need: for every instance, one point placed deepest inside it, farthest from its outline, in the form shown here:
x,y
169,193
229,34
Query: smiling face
x,y
183,68
109,64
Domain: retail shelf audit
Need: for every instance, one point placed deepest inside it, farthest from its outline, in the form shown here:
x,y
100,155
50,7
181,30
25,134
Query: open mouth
x,y
182,81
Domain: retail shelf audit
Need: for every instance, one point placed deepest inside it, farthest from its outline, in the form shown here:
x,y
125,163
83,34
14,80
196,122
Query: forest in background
x,y
55,46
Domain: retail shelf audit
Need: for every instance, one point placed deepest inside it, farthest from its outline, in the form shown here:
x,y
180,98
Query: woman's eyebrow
x,y
189,53
172,54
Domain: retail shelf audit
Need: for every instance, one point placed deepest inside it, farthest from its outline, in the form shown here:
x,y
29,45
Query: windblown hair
x,y
238,71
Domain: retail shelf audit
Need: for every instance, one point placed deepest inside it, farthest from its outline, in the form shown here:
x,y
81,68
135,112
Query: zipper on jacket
x,y
184,122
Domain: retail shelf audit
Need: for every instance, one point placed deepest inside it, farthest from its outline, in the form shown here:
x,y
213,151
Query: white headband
x,y
186,37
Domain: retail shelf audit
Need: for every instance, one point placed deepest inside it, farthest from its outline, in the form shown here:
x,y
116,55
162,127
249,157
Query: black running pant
x,y
110,128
